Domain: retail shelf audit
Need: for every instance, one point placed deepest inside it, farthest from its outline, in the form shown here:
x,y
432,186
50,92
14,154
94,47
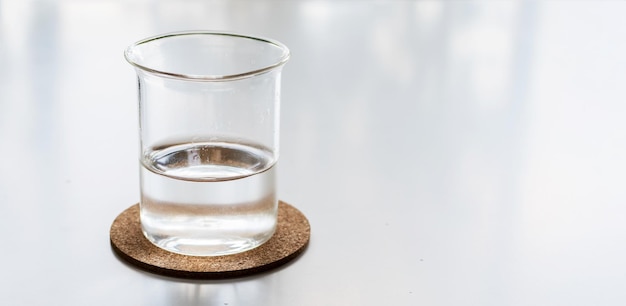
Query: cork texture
x,y
290,239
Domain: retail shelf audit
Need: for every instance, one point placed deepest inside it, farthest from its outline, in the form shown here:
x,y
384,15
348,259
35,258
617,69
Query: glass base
x,y
207,247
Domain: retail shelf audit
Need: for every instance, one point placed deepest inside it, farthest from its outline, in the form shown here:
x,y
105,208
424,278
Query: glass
x,y
209,130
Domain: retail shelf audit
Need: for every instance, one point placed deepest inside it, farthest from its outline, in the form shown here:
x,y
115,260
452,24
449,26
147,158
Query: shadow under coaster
x,y
290,239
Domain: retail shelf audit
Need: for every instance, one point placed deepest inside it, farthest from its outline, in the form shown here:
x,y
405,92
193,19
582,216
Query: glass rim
x,y
208,78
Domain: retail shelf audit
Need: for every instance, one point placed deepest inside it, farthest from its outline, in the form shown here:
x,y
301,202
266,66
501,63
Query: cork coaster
x,y
290,239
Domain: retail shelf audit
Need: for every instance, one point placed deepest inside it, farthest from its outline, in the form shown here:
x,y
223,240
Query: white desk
x,y
445,153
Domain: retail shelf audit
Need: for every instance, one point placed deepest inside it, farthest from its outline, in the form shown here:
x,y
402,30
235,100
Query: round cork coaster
x,y
290,239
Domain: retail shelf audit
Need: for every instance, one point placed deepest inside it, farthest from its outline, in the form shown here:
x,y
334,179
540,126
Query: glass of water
x,y
209,129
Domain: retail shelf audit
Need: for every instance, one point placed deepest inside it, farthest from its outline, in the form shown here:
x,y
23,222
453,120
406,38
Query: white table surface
x,y
445,153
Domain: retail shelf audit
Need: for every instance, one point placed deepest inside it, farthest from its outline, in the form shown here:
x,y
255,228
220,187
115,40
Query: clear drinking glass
x,y
209,106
